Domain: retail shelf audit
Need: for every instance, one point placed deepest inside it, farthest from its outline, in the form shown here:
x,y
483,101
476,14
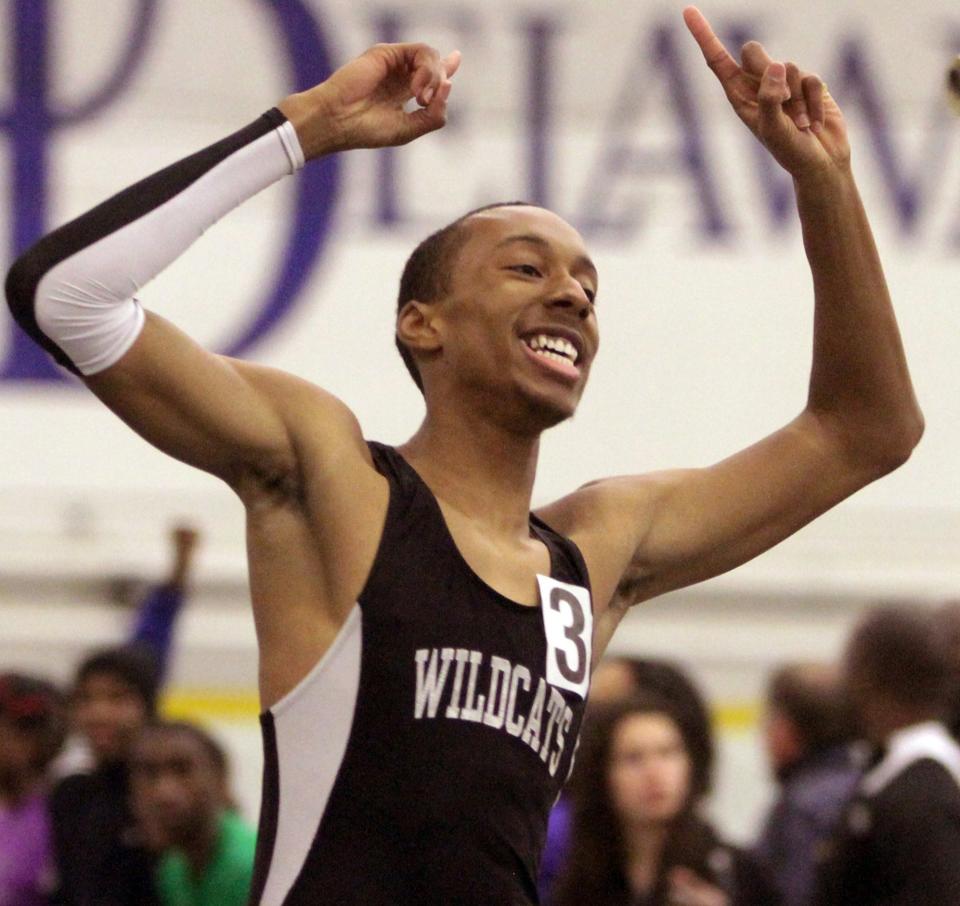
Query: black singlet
x,y
418,761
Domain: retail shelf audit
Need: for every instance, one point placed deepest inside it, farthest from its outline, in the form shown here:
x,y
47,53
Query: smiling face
x,y
517,332
178,790
109,713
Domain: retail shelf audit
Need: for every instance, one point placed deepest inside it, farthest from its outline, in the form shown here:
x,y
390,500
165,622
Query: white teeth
x,y
556,348
556,357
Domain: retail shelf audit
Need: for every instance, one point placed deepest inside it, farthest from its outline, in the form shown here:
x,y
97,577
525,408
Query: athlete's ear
x,y
416,327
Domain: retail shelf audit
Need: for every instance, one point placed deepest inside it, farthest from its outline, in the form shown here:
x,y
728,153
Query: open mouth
x,y
553,348
555,354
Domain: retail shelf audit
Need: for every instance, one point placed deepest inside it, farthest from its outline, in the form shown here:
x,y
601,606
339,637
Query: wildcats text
x,y
460,684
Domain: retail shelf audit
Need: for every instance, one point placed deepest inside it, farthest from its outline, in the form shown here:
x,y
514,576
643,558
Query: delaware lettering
x,y
459,684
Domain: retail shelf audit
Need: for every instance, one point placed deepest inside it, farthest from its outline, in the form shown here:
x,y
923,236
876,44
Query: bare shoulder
x,y
623,504
592,506
607,519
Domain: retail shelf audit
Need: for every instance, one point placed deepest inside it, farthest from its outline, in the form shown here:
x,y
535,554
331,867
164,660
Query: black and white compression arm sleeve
x,y
74,291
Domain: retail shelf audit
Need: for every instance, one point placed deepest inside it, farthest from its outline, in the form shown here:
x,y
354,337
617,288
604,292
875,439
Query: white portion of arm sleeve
x,y
86,304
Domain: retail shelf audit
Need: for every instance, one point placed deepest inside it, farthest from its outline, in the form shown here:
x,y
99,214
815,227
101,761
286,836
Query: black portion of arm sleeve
x,y
111,215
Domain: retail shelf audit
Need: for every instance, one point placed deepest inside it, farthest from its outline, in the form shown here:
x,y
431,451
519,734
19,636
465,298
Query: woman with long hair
x,y
638,838
615,679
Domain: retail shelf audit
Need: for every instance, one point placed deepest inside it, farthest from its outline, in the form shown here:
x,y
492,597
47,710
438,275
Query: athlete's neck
x,y
478,468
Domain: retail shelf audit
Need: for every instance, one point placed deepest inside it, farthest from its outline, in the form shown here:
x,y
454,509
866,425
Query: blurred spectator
x,y
32,730
637,835
899,841
100,858
179,780
622,677
617,679
949,618
808,730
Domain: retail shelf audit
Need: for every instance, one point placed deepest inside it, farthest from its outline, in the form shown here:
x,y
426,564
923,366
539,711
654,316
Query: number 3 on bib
x,y
568,624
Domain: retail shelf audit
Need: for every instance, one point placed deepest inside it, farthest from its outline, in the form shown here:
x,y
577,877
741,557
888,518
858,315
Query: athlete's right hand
x,y
362,104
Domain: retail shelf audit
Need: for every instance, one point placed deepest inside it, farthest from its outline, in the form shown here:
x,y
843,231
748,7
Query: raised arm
x,y
159,609
653,533
74,291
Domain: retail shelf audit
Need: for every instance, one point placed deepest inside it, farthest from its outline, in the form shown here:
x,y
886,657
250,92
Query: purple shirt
x,y
26,863
556,849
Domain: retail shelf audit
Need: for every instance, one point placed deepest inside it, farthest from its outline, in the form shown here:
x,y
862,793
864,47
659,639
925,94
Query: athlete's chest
x,y
457,660
508,566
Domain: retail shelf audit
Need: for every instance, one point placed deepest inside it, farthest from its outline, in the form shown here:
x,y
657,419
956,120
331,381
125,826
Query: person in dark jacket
x,y
638,838
809,732
899,840
100,858
948,616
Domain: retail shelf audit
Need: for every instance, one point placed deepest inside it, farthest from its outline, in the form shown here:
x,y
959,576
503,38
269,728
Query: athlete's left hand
x,y
788,109
364,103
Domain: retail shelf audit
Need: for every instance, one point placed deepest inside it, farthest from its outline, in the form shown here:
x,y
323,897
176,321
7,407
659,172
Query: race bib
x,y
568,624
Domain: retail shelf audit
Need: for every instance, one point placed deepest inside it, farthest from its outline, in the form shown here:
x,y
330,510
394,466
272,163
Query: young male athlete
x,y
425,642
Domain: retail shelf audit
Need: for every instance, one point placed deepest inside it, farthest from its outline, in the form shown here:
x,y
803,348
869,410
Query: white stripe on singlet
x,y
312,725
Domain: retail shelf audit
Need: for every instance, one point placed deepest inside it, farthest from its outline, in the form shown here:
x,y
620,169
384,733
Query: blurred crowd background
x,y
759,703
106,797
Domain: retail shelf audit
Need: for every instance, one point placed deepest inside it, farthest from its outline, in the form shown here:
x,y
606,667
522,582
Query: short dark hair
x,y
903,653
812,697
211,748
427,273
134,665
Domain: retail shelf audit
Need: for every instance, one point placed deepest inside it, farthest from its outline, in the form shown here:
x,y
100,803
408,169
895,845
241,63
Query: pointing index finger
x,y
717,56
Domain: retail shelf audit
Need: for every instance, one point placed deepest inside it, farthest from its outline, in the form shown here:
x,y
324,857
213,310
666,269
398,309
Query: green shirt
x,y
226,882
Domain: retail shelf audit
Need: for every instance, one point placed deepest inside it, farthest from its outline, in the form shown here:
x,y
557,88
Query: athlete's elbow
x,y
905,439
890,444
23,281
30,307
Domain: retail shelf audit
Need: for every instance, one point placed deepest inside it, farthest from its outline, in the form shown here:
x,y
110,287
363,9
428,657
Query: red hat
x,y
29,701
